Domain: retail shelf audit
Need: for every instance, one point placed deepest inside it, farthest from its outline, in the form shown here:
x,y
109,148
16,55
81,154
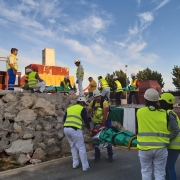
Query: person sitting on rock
x,y
66,83
24,79
35,83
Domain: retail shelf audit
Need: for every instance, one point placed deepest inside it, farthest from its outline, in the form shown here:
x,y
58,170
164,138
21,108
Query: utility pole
x,y
126,67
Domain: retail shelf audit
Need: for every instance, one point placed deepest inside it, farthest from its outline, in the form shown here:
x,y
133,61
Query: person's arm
x,y
62,84
87,88
64,118
38,78
85,118
173,125
105,112
70,85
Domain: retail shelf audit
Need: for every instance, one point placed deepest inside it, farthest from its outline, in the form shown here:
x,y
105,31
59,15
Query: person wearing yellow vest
x,y
99,110
153,137
73,122
104,86
166,101
12,67
135,84
118,90
35,83
24,79
92,86
79,76
66,83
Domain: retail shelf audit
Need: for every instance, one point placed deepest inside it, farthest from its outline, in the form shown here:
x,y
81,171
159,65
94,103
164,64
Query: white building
x,y
48,57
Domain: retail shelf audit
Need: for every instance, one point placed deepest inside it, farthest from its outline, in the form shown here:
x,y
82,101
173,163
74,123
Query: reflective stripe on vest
x,y
82,73
175,143
32,81
73,117
133,84
152,129
15,62
104,83
119,86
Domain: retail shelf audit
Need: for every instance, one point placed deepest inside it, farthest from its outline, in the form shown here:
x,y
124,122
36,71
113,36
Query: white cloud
x,y
52,21
163,3
138,2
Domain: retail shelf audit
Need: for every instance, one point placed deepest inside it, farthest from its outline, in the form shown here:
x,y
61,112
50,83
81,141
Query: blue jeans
x,y
135,94
109,147
170,166
90,94
11,80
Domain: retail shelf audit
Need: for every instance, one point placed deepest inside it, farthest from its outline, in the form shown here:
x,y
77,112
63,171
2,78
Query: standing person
x,y
99,109
73,122
118,91
166,101
153,137
92,86
135,84
105,88
79,76
66,83
35,83
12,67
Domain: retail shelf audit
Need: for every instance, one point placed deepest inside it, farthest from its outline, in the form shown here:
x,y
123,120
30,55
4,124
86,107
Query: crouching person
x,y
24,79
35,83
73,122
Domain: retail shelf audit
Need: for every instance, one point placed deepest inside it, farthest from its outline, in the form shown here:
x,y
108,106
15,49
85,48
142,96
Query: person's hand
x,y
77,81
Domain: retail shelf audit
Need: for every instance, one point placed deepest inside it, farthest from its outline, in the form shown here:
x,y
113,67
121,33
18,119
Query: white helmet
x,y
77,61
115,77
28,70
66,77
151,95
96,93
133,74
82,99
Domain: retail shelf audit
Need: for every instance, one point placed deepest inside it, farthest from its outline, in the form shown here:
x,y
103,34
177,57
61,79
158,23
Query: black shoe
x,y
110,159
38,91
96,160
32,90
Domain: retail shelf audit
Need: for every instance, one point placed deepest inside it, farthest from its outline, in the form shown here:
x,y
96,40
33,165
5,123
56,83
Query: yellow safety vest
x,y
15,62
175,143
32,81
152,129
73,117
77,73
133,84
119,86
104,83
66,84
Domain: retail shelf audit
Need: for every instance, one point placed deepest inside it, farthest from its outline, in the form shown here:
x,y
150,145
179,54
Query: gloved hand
x,y
77,81
89,119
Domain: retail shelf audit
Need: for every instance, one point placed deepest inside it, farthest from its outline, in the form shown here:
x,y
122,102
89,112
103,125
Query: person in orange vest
x,y
135,84
24,79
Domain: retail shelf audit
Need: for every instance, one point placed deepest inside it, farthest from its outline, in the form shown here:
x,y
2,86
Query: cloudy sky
x,y
105,35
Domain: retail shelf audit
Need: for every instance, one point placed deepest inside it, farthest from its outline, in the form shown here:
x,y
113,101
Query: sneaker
x,y
75,167
96,160
110,159
87,169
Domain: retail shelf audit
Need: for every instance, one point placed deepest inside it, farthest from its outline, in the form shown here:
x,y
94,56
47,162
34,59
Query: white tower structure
x,y
48,57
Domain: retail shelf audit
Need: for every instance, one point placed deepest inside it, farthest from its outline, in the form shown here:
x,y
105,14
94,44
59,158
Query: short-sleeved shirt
x,y
105,104
94,84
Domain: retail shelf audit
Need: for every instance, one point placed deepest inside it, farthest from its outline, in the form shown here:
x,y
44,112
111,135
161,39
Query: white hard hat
x,y
28,70
133,74
66,77
96,93
82,99
77,61
151,95
115,77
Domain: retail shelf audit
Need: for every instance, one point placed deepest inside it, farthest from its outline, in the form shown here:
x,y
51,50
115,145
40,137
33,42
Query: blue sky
x,y
105,35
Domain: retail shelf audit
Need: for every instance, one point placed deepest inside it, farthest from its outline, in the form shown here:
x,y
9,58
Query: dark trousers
x,y
118,98
135,94
11,80
90,94
109,147
170,166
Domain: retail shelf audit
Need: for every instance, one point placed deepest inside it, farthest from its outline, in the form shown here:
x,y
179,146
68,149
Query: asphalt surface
x,y
126,166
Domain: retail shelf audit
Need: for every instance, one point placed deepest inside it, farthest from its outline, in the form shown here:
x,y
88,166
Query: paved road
x,y
125,167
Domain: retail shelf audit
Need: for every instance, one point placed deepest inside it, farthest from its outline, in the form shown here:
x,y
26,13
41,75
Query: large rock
x,y
39,154
9,116
27,116
17,128
10,97
65,147
23,159
20,147
44,107
6,126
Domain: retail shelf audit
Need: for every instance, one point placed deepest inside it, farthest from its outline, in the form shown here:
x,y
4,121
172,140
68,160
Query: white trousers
x,y
106,92
80,87
76,141
153,160
40,86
